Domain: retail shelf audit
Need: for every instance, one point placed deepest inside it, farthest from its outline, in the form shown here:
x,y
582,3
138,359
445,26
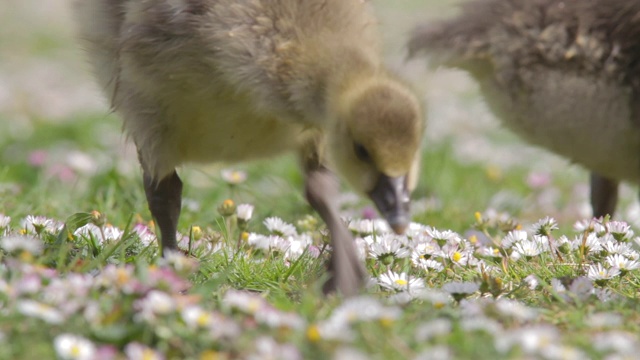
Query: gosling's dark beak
x,y
392,200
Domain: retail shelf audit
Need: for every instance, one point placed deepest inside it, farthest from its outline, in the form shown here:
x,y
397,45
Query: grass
x,y
85,281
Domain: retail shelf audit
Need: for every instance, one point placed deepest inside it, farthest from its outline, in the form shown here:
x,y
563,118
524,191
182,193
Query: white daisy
x,y
137,351
426,249
146,235
363,308
620,230
22,243
38,224
513,237
613,246
195,317
233,177
532,281
244,301
426,264
460,290
515,309
4,221
297,246
244,212
545,226
527,248
581,287
617,261
154,304
279,227
444,237
456,254
433,328
399,282
598,273
364,227
387,248
39,310
74,347
591,243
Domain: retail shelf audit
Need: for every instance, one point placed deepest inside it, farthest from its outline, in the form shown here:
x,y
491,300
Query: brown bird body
x,y
564,75
201,81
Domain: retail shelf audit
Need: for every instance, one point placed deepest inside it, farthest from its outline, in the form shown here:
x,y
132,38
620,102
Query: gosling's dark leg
x,y
165,198
604,195
346,271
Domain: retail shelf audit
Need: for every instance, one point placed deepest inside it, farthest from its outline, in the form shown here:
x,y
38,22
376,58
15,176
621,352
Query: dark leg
x,y
604,195
346,271
164,198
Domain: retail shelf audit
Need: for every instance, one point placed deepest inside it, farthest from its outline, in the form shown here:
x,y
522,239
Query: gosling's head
x,y
375,144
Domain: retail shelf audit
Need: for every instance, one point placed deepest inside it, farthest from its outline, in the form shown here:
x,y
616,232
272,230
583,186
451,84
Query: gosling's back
x,y
564,75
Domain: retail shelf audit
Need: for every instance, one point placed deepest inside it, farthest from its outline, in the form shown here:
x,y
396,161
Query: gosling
x,y
563,74
199,81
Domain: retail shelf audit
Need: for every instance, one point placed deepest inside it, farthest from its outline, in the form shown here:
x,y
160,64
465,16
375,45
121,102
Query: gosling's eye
x,y
361,153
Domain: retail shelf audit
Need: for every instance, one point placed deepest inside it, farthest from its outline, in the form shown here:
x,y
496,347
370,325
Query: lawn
x,y
502,260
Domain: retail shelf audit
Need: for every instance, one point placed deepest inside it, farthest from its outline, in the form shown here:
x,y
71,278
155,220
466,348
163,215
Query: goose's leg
x,y
165,198
347,273
604,195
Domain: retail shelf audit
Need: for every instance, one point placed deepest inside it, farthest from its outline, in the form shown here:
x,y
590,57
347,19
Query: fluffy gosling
x,y
199,81
563,74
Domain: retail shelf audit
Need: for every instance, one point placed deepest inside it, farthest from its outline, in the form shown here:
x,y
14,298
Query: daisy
x,y
444,237
279,320
195,317
433,328
456,254
527,249
39,310
154,304
581,287
460,290
145,234
545,226
515,309
591,243
22,243
426,264
366,227
612,246
620,230
4,221
513,237
399,282
74,347
600,275
481,323
388,248
244,212
297,246
137,351
38,224
279,227
363,308
532,281
617,261
426,249
233,177
244,301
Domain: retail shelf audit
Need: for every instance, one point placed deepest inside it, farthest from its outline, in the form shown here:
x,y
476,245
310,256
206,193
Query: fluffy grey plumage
x,y
564,75
235,80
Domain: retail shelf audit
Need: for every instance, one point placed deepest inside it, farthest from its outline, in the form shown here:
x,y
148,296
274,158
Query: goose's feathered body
x,y
223,80
563,74
235,80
